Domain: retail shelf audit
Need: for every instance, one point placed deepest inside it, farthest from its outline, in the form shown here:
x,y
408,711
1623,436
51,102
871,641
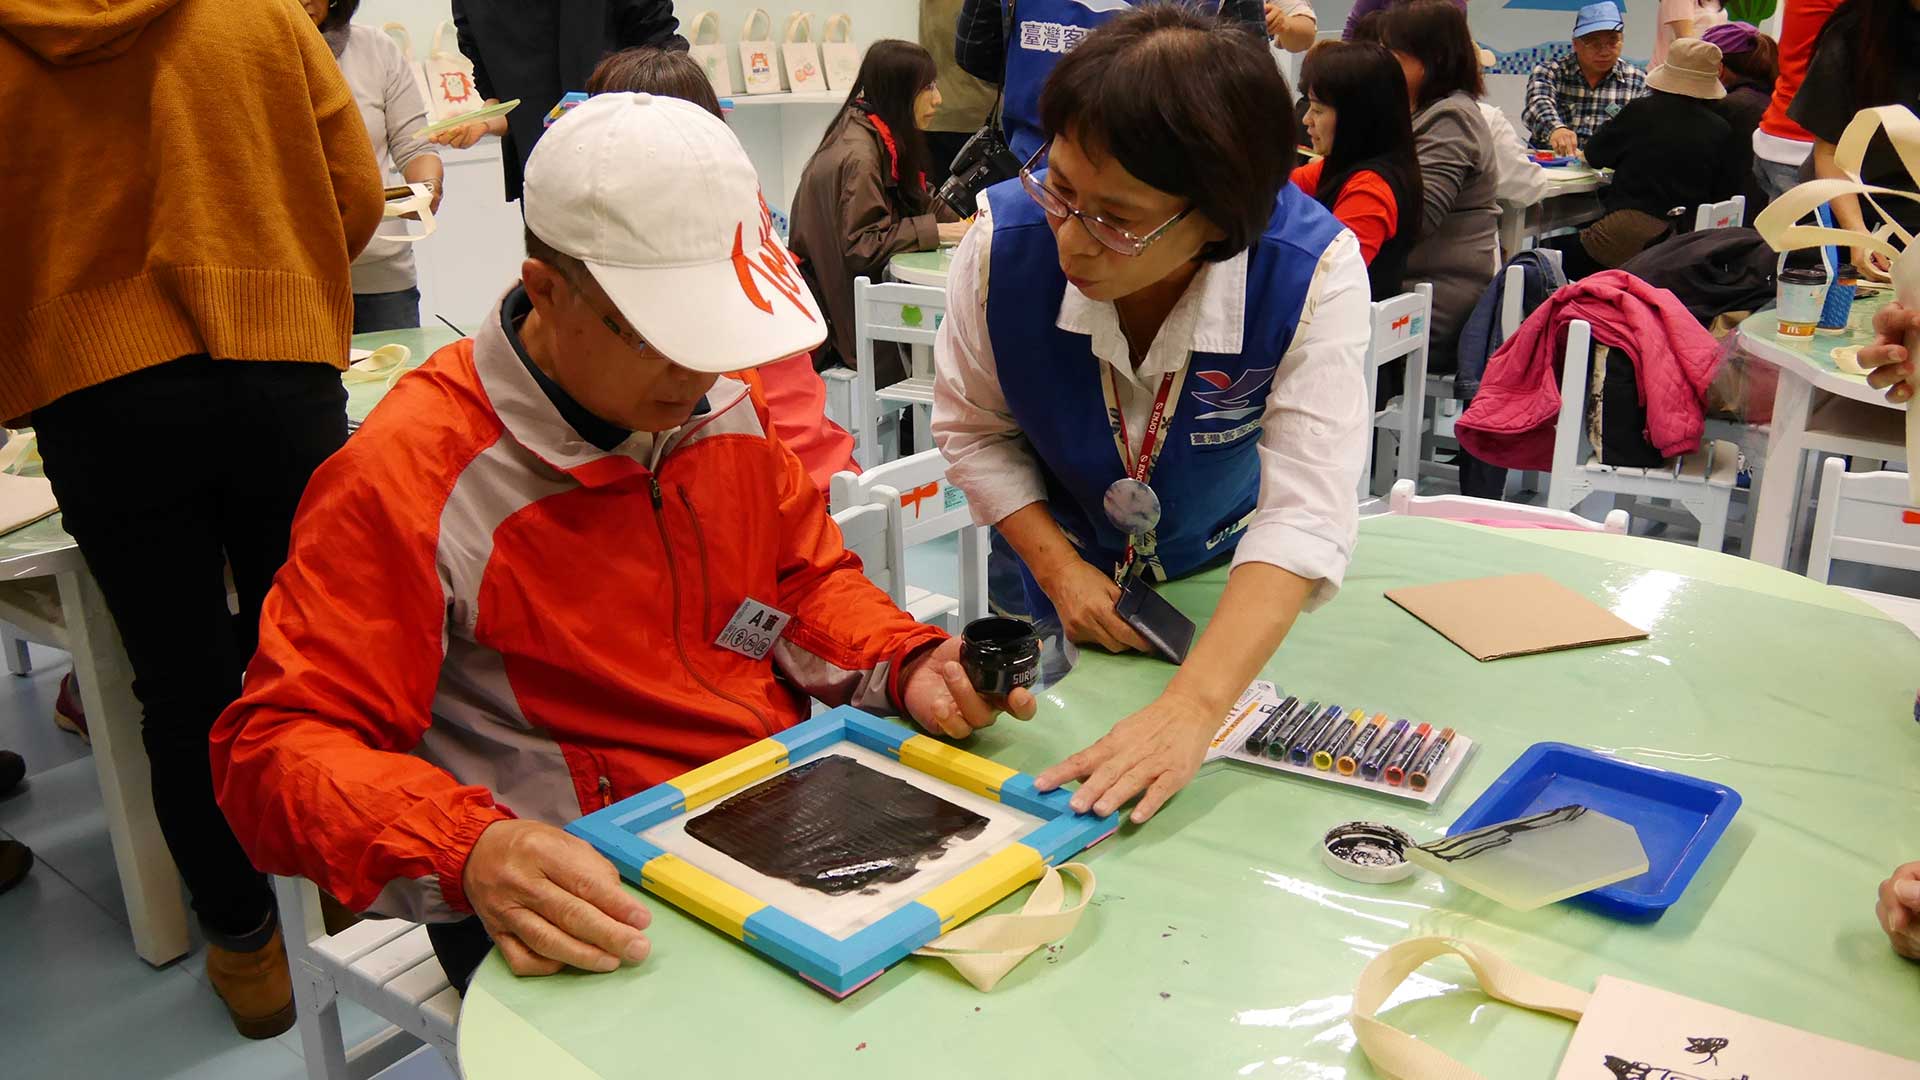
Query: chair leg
x,y
18,661
1712,513
318,1020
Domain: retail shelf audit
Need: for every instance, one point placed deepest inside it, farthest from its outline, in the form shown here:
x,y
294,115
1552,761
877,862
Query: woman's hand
x,y
1084,597
460,137
952,232
1886,360
1899,910
1151,754
940,699
1872,265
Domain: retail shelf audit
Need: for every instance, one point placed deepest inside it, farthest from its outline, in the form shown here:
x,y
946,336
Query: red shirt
x,y
1366,205
1799,30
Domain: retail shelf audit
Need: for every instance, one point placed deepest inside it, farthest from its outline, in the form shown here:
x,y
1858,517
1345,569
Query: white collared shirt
x,y
1314,432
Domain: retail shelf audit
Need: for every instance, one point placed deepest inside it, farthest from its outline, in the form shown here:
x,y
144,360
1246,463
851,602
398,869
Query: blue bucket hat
x,y
1595,17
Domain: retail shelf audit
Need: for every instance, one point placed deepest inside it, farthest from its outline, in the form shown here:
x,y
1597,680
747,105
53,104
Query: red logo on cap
x,y
772,263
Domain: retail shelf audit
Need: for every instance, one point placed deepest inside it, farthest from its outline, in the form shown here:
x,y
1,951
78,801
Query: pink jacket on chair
x,y
1512,419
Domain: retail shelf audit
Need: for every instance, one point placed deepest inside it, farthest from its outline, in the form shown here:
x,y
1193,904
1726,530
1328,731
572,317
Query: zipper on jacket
x,y
606,792
673,576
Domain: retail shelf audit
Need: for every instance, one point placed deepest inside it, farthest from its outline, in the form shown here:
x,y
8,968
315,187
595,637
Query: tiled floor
x,y
75,1001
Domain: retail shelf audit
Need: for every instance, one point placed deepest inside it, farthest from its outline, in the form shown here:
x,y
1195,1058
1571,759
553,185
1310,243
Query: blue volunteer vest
x,y
1208,477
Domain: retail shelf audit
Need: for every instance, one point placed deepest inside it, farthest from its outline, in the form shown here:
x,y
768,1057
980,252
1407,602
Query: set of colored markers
x,y
1333,743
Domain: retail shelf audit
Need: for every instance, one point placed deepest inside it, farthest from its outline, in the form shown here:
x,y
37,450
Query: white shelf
x,y
741,101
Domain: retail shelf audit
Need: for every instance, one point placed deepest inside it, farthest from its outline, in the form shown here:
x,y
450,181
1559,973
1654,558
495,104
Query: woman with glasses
x,y
864,198
1160,308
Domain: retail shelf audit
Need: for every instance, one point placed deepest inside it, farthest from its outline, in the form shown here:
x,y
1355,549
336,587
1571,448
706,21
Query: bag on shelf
x,y
448,79
840,58
710,55
759,60
802,56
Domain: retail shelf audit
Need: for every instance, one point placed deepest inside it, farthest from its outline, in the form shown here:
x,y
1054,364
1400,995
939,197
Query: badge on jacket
x,y
754,629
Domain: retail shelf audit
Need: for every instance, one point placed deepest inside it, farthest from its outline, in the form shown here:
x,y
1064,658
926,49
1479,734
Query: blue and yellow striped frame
x,y
838,966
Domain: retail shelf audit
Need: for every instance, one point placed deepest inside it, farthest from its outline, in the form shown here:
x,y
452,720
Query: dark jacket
x,y
851,214
1481,335
1743,107
1712,271
538,51
1668,151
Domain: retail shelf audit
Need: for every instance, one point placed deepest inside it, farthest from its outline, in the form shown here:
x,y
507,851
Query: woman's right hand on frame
x,y
1886,360
1084,597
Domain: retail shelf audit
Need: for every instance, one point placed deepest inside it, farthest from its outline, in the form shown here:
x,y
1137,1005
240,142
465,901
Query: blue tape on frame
x,y
627,852
1060,838
641,812
876,734
810,952
1018,792
805,740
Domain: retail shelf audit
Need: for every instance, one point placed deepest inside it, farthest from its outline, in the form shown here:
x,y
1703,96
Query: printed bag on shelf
x,y
759,61
840,56
802,56
711,55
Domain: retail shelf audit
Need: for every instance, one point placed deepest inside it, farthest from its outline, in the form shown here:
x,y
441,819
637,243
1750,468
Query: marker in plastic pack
x,y
1371,765
1303,714
1302,749
1337,738
1349,761
1397,770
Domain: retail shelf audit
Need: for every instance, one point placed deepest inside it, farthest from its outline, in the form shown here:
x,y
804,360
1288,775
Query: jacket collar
x,y
1209,317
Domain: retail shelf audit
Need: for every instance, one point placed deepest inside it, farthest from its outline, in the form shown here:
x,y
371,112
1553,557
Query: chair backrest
x,y
1863,518
907,314
1466,508
1401,326
1570,433
922,505
1730,214
863,529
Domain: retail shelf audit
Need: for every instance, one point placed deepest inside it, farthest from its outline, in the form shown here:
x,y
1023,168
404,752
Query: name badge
x,y
754,629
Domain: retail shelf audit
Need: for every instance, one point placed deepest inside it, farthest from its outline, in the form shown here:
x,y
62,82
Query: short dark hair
x,y
339,14
1189,105
565,265
1435,33
1760,64
647,70
1367,30
1364,86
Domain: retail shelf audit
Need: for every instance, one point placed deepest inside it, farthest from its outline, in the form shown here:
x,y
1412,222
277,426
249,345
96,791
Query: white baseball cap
x,y
659,200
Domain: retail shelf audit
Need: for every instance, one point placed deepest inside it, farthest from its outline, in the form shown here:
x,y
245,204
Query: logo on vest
x,y
1231,398
1050,37
1222,438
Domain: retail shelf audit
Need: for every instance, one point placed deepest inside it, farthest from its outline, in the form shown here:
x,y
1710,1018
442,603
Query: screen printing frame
x,y
838,966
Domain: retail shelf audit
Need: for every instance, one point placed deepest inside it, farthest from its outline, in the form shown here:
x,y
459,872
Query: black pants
x,y
166,477
460,946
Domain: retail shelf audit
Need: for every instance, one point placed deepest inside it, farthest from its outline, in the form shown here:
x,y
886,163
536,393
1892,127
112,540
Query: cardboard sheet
x,y
1514,615
24,500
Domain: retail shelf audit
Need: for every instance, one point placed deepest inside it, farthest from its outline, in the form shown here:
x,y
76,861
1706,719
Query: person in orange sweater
x,y
1358,121
188,182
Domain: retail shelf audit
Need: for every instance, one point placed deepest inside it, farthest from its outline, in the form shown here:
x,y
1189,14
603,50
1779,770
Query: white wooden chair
x,y
384,965
909,315
1721,215
920,505
1404,502
1866,518
1701,482
1402,327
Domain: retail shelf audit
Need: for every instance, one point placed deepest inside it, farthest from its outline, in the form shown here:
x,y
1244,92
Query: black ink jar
x,y
1000,654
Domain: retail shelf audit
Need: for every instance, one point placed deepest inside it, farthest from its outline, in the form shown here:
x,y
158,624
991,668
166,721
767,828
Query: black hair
x,y
891,77
1188,105
1373,126
1367,30
1759,65
1435,33
1870,30
339,14
644,69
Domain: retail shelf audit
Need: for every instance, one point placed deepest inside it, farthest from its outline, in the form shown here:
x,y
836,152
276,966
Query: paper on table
x,y
1514,615
24,500
841,916
1635,1032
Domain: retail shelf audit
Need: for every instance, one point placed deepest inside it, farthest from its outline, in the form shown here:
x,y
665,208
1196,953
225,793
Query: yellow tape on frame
x,y
955,766
718,779
700,894
979,887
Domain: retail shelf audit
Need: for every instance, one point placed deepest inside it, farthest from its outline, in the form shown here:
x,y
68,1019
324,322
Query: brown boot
x,y
256,987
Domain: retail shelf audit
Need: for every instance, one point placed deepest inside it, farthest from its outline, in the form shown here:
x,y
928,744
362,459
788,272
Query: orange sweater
x,y
183,176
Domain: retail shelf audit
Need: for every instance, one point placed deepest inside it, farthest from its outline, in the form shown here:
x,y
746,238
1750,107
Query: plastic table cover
x,y
1220,946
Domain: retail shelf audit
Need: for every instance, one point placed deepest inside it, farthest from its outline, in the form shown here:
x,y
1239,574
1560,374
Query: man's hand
x,y
940,699
1152,754
1886,360
549,900
1084,598
1564,142
1899,910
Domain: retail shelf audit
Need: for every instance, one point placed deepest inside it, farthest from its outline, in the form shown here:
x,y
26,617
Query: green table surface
x,y
1220,946
34,542
1760,331
930,262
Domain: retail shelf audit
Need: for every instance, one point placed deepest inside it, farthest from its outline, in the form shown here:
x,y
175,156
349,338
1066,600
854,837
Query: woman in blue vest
x,y
1160,304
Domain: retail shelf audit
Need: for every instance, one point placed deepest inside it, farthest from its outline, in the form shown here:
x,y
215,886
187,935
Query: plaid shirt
x,y
1558,96
980,39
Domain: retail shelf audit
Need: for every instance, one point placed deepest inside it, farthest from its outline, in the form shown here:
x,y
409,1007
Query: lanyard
x,y
1151,443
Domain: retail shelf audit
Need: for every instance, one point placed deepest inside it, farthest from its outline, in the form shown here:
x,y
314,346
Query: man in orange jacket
x,y
508,597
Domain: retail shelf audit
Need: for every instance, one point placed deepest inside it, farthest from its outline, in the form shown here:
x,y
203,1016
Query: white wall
x,y
872,19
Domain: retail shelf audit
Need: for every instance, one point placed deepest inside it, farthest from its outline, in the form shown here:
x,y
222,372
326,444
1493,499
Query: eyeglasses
x,y
1110,236
626,335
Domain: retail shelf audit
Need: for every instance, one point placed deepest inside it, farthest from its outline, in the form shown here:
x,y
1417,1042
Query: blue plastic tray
x,y
1679,818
